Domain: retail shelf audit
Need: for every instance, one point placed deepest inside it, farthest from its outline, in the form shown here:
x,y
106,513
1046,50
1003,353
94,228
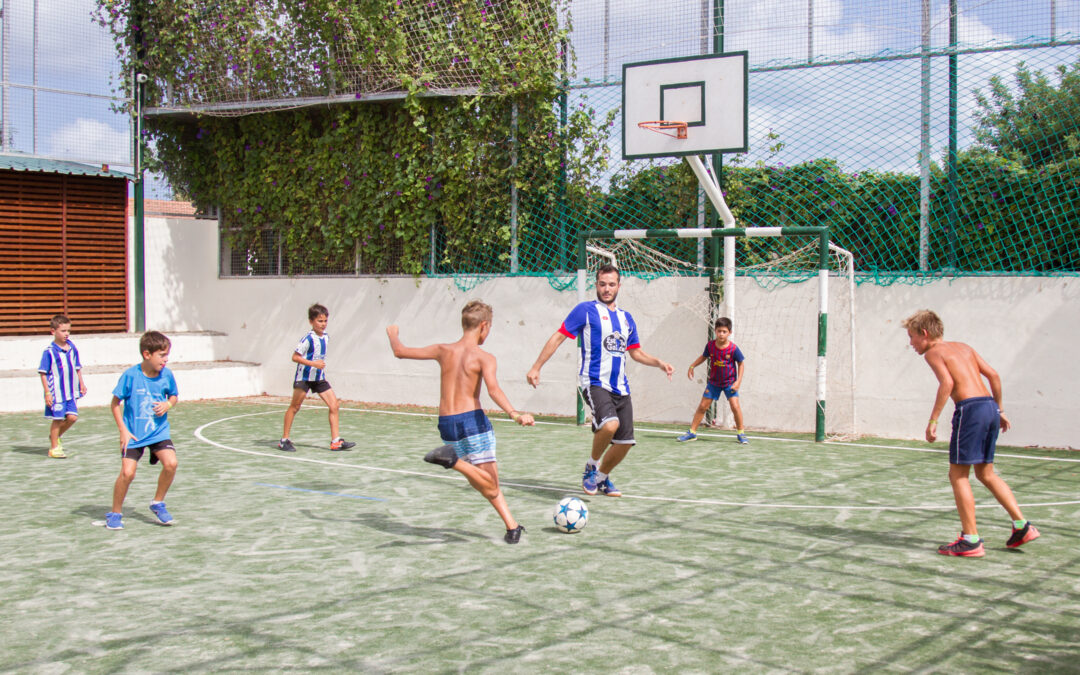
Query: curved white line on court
x,y
843,444
710,502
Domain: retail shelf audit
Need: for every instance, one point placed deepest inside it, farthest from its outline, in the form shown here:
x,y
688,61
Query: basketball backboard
x,y
706,92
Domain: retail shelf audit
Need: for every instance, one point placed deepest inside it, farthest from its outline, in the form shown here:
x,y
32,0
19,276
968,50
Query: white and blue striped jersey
x,y
59,367
313,348
606,335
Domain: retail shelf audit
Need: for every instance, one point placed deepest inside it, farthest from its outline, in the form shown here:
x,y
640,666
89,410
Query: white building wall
x,y
1021,325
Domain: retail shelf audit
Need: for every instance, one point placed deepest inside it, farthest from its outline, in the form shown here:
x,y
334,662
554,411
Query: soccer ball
x,y
571,515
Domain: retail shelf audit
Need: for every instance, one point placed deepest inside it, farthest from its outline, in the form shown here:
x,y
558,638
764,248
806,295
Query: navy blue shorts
x,y
713,391
975,425
61,409
470,435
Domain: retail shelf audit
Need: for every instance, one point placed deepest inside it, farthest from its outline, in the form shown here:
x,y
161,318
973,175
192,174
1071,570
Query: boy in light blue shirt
x,y
140,405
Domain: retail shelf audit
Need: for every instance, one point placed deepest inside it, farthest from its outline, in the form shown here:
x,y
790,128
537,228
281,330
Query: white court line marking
x,y
711,502
843,444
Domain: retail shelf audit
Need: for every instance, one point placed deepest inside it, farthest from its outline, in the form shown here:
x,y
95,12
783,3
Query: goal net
x,y
774,306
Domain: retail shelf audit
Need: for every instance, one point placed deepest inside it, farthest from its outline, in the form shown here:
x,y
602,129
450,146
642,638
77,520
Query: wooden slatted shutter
x,y
63,249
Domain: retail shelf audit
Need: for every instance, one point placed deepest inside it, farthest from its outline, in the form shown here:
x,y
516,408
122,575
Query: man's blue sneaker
x,y
607,487
741,438
588,480
162,515
114,521
688,436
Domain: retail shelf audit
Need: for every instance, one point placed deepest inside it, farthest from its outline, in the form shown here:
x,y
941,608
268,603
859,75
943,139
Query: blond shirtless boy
x,y
463,426
976,420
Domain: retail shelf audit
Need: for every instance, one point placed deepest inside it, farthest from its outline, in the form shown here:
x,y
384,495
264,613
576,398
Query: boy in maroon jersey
x,y
726,369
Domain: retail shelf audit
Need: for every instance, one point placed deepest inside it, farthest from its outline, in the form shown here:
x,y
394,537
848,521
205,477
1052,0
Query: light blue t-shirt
x,y
139,394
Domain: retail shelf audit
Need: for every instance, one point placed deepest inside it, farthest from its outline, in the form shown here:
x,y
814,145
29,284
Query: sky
x,y
864,115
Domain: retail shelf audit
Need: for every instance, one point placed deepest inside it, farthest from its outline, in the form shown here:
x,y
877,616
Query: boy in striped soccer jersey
x,y
608,334
977,418
310,359
726,371
61,378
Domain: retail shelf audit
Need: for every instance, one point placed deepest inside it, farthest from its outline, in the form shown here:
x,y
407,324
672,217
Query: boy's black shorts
x,y
154,448
317,386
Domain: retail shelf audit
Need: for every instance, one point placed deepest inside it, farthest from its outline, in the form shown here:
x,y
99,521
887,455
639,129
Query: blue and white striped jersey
x,y
312,347
606,335
59,367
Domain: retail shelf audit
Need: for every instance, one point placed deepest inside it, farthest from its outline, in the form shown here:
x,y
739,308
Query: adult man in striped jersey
x,y
607,335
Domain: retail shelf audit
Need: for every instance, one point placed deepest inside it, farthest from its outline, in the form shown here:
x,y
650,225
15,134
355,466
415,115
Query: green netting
x,y
928,152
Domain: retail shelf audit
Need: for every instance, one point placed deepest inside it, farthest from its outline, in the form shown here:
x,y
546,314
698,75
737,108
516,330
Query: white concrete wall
x,y
1021,325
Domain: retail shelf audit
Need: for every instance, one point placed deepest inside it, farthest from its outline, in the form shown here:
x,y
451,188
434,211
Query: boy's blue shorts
x,y
470,435
975,425
61,409
713,391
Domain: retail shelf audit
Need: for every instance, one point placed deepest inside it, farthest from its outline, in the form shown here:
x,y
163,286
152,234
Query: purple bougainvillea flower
x,y
892,210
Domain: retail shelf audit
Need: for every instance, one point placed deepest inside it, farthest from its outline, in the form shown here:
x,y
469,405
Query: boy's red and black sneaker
x,y
964,548
1023,535
341,444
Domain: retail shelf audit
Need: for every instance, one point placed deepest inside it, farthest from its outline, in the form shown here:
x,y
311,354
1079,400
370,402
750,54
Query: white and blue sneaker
x,y
608,488
741,438
588,480
114,521
162,514
688,436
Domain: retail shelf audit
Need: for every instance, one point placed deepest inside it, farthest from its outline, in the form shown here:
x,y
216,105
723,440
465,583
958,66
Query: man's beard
x,y
607,302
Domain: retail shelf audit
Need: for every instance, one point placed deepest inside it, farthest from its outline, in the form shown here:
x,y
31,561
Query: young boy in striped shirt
x,y
310,359
61,378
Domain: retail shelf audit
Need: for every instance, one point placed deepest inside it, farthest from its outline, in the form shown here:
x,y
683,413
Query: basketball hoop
x,y
666,127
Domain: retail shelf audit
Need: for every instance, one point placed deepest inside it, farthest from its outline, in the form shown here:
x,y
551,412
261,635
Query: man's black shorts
x,y
606,406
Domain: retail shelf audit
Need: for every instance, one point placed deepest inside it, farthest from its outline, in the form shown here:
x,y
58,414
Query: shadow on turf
x,y
130,513
383,523
272,444
32,449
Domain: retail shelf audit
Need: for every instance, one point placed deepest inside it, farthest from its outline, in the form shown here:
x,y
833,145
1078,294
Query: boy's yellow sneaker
x,y
57,452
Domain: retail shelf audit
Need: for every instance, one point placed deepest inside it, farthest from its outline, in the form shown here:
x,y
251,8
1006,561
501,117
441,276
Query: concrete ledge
x,y
21,390
96,348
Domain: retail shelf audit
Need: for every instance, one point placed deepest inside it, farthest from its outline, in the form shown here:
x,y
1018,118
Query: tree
x,y
1035,122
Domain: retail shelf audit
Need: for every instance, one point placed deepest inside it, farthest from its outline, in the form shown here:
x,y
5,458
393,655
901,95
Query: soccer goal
x,y
781,316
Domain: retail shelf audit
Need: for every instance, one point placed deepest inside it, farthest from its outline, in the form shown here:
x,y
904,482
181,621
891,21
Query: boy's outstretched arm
x,y
487,371
697,362
403,352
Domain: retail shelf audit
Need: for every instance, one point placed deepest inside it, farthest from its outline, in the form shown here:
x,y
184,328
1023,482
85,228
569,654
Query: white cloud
x,y
89,140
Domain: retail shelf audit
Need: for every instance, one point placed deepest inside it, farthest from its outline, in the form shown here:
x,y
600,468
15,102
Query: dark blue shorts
x,y
713,391
61,409
975,425
470,435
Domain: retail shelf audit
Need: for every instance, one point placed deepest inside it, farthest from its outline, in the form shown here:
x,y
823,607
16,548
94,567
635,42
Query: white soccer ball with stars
x,y
571,515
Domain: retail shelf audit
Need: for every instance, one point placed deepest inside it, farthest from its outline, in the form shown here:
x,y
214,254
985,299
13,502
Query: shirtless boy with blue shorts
x,y
463,425
976,420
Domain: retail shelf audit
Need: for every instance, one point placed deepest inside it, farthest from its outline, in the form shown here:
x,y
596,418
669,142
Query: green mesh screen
x,y
855,123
